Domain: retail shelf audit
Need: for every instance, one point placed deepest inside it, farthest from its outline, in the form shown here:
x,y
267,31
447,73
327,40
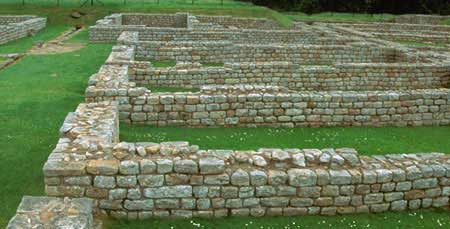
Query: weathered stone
x,y
240,178
103,167
277,177
302,177
211,166
340,177
129,167
134,205
64,168
104,182
179,191
150,180
258,178
186,166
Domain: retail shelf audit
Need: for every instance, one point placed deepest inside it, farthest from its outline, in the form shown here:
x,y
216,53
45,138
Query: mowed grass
x,y
367,140
36,94
23,44
61,15
437,218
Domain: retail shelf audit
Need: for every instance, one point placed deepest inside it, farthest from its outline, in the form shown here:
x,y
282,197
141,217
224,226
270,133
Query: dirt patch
x,y
52,48
57,45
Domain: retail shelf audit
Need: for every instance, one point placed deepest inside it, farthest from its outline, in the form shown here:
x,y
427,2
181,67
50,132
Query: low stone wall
x,y
178,20
420,19
175,179
290,109
107,33
404,32
201,28
344,77
243,105
12,28
206,52
239,22
8,19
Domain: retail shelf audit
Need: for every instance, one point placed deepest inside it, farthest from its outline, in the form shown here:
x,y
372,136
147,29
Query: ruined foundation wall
x,y
344,77
250,105
13,28
207,52
178,20
175,179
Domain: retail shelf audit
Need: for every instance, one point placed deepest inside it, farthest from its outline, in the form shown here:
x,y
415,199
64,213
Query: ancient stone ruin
x,y
322,74
15,27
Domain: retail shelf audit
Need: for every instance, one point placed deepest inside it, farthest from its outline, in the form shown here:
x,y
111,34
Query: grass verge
x,y
367,140
23,44
61,15
37,93
414,219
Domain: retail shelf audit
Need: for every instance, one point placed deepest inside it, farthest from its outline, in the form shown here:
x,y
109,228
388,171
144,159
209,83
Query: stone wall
x,y
178,20
404,32
239,22
345,77
52,212
12,28
243,105
206,29
108,33
204,51
420,19
8,19
175,179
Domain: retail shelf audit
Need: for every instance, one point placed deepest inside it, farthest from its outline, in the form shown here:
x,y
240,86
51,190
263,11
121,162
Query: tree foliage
x,y
361,6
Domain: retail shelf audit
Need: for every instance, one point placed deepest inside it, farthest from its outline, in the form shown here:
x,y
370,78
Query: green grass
x,y
415,219
61,15
36,94
38,91
339,17
367,140
171,89
23,44
80,37
130,3
2,59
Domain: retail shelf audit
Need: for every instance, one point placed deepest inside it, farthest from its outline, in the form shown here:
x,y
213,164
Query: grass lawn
x,y
339,17
23,44
61,15
37,93
414,219
367,140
